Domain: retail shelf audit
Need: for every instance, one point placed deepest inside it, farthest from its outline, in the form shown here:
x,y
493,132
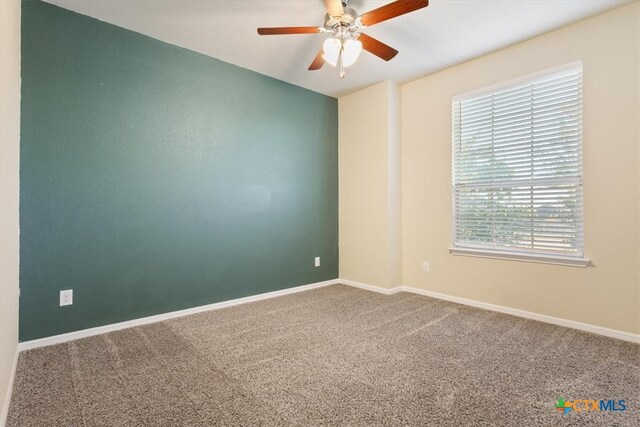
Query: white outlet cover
x,y
66,297
425,266
317,261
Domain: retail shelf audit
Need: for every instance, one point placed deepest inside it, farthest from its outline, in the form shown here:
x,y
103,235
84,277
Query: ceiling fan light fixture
x,y
335,49
332,47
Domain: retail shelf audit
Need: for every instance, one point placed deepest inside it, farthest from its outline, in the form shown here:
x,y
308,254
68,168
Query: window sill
x,y
517,256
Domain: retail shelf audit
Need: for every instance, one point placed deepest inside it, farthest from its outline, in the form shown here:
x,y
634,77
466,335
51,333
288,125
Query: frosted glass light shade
x,y
331,49
351,52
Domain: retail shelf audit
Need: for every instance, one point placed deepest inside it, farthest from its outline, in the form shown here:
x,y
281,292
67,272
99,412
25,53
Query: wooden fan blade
x,y
318,62
391,10
334,7
376,47
274,31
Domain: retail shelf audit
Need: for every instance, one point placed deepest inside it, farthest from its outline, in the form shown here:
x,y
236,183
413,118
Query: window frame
x,y
516,255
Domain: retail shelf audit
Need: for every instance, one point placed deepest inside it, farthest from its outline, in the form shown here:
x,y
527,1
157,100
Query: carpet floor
x,y
332,356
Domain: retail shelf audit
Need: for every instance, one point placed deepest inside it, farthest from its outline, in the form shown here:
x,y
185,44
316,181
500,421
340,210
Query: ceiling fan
x,y
345,25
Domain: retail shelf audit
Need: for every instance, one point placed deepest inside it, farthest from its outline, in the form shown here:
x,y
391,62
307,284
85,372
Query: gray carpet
x,y
332,356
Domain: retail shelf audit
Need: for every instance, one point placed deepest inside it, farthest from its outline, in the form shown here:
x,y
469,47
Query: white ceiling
x,y
445,33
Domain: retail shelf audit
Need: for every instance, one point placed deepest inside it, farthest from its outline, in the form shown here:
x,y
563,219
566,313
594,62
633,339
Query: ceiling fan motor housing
x,y
346,20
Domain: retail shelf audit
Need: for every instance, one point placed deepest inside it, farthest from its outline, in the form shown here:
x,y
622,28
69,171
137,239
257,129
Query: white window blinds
x,y
518,167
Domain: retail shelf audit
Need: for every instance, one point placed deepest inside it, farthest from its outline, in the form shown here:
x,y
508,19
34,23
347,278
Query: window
x,y
517,169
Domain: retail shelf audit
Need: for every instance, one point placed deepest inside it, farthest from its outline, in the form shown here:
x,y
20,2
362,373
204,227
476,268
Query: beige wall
x,y
9,166
606,294
369,161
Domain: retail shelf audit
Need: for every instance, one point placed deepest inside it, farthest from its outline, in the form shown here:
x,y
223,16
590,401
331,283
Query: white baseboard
x,y
372,288
599,330
612,333
71,336
7,397
58,339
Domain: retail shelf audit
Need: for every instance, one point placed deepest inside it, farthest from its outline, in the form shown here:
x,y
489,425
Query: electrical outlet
x,y
317,261
66,297
425,266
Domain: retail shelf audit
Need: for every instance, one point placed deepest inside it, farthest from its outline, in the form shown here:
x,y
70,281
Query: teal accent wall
x,y
155,179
